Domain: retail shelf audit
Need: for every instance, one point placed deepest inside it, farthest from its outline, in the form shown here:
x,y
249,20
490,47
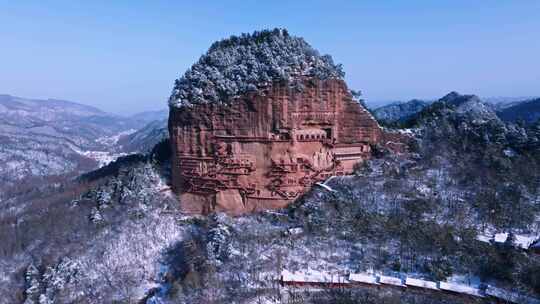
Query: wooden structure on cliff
x,y
264,149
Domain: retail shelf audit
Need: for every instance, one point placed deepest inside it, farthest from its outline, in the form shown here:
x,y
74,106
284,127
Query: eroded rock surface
x,y
265,148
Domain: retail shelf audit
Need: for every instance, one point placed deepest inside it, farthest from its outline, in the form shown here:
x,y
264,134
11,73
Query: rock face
x,y
265,148
259,119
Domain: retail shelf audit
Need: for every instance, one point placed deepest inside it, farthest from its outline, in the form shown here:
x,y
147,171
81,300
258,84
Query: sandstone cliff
x,y
264,150
264,147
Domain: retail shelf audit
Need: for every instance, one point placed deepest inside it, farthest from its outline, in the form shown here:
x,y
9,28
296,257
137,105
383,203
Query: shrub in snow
x,y
246,63
103,197
33,285
95,216
44,299
65,272
42,288
218,241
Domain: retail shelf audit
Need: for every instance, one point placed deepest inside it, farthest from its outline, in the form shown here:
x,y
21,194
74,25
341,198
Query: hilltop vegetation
x,y
244,63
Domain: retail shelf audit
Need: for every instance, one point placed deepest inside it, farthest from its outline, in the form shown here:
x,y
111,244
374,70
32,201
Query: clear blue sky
x,y
123,56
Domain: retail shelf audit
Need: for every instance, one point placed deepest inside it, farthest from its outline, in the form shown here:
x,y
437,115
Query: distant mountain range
x,y
144,139
527,111
505,100
149,116
44,138
508,109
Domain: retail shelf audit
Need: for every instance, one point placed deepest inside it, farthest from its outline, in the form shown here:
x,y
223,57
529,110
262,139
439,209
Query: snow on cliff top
x,y
244,63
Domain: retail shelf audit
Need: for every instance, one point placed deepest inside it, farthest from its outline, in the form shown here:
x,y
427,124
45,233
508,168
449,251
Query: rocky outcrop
x,y
259,119
264,149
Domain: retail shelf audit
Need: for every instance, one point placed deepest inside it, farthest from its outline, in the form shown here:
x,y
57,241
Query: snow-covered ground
x,y
106,156
113,140
103,158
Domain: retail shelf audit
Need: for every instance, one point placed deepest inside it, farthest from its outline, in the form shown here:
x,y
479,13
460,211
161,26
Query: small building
x,y
313,279
363,278
391,281
419,283
461,289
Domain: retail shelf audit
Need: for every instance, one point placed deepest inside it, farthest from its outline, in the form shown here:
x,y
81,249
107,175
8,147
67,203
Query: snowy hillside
x,y
44,140
424,216
94,244
144,139
459,209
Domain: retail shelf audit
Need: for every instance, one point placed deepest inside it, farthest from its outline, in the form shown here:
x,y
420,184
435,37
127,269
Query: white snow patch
x,y
509,152
113,140
465,279
500,237
295,231
102,157
326,187
501,293
483,238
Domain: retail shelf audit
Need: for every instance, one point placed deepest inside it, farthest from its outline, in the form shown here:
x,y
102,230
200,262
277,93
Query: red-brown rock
x,y
264,149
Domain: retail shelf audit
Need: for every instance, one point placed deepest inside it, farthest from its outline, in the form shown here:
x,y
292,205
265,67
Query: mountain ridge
x,y
527,111
398,111
44,138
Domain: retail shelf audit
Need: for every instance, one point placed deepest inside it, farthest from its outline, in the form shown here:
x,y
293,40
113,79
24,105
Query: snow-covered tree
x,y
248,62
95,216
33,284
218,237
